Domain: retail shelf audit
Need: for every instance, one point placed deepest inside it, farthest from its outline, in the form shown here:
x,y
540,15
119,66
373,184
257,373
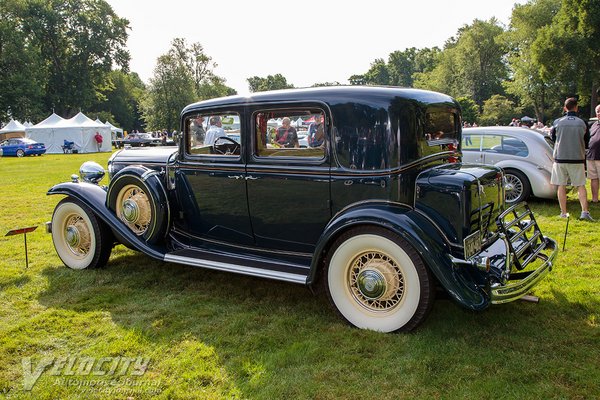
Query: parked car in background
x,y
524,154
141,139
378,217
20,147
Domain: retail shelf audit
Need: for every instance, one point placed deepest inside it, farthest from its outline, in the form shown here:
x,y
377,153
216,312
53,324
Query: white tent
x,y
80,130
115,131
12,129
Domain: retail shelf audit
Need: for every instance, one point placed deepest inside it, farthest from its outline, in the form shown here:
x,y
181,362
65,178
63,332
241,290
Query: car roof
x,y
504,130
328,94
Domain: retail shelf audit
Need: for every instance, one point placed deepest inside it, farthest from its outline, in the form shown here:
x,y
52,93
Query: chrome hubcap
x,y
371,284
72,236
376,281
131,211
77,236
135,209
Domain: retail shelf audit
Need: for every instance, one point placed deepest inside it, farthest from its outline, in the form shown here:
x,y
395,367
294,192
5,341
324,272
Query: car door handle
x,y
252,178
235,177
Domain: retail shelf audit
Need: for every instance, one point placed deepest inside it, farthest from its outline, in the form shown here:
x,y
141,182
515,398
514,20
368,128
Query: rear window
x,y
441,127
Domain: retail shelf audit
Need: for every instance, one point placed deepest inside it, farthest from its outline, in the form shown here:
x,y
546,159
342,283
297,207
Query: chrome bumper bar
x,y
513,291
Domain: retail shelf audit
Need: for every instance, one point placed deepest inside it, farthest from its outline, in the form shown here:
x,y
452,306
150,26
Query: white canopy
x,y
12,129
113,128
54,130
13,126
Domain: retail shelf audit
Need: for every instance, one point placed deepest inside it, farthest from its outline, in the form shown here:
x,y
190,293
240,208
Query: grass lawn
x,y
210,335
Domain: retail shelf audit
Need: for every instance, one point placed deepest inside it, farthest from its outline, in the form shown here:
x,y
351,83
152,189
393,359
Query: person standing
x,y
98,137
593,156
571,136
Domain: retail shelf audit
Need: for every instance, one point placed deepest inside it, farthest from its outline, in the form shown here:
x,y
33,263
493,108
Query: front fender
x,y
417,230
94,197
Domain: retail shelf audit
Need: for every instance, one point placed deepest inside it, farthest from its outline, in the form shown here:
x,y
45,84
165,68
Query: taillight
x,y
452,147
30,147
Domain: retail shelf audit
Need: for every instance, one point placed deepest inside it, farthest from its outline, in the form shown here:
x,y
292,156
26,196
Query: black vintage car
x,y
380,213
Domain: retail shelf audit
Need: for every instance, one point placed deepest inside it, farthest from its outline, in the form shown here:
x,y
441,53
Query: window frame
x,y
207,113
289,109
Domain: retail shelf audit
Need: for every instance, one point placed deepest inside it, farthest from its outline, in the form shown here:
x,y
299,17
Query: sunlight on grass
x,y
212,335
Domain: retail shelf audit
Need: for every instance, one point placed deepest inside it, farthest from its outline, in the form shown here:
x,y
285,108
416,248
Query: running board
x,y
235,268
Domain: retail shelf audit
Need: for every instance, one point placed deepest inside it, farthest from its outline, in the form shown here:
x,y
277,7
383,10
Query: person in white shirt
x,y
215,131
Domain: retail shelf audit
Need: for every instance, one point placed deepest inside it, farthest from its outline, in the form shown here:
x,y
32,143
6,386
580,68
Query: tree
x,y
498,110
404,65
568,50
470,110
78,42
271,82
183,75
470,65
527,83
122,104
378,74
171,88
22,72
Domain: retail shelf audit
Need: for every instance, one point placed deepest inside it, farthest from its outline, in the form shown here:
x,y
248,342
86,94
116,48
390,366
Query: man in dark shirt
x,y
593,156
571,137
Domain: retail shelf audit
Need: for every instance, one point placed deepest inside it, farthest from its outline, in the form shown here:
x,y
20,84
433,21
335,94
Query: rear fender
x,y
420,232
94,197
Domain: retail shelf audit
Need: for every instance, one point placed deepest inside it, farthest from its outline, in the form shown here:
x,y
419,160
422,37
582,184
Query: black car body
x,y
380,213
142,139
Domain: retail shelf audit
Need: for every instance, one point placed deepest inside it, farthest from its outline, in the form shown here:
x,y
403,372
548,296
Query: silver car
x,y
524,154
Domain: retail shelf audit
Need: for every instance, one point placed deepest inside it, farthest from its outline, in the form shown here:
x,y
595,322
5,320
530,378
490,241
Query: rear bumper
x,y
519,284
516,261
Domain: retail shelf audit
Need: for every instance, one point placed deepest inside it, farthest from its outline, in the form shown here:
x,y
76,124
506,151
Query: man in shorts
x,y
593,156
571,137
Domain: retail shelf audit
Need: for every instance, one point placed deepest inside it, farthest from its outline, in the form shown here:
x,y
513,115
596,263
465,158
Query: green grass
x,y
212,335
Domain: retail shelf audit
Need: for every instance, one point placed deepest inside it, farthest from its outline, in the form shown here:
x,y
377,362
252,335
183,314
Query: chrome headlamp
x,y
91,172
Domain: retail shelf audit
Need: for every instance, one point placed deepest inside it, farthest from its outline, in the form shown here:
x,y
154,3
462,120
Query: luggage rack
x,y
524,238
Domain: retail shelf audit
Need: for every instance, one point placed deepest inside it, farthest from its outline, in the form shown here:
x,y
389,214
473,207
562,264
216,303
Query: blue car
x,y
21,147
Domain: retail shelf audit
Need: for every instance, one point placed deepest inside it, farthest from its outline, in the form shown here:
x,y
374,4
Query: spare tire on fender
x,y
138,198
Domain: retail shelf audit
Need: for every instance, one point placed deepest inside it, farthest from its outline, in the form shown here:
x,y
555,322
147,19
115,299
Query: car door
x,y
10,147
288,185
210,181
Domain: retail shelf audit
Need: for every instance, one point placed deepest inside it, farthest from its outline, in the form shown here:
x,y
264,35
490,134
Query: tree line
x,y
71,55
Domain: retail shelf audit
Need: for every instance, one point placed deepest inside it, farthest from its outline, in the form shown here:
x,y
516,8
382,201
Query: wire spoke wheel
x,y
514,188
134,208
80,239
377,281
77,235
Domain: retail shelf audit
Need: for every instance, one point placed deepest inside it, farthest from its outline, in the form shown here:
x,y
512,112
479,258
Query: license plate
x,y
472,244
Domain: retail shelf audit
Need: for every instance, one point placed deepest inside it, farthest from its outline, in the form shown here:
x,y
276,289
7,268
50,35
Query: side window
x,y
290,133
492,144
471,142
505,145
514,146
213,134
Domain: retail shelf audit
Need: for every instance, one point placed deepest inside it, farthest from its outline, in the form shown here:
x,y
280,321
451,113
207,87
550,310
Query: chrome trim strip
x,y
238,269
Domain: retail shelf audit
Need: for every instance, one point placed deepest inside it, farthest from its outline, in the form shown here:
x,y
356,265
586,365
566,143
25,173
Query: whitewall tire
x,y
377,281
80,239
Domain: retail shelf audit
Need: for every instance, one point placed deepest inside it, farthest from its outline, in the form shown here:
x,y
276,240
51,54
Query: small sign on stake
x,y
24,232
